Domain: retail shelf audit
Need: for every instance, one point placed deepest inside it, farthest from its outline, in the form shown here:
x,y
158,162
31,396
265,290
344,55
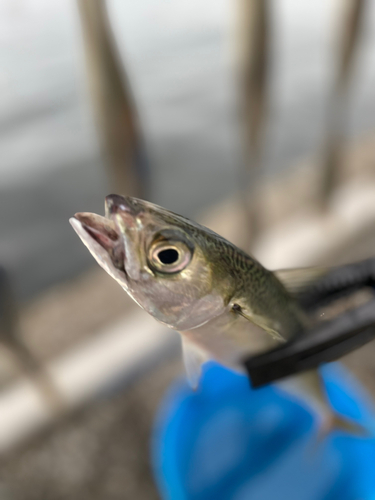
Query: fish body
x,y
223,302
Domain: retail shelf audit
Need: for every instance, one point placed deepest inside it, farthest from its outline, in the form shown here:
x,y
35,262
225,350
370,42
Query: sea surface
x,y
179,56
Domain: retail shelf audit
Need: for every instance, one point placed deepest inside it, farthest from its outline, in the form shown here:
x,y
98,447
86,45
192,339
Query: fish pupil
x,y
168,256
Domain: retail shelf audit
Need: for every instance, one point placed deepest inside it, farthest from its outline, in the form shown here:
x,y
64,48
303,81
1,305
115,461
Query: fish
x,y
224,303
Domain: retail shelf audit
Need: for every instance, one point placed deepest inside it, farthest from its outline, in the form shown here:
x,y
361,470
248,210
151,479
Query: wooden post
x,y
252,71
116,115
337,105
19,352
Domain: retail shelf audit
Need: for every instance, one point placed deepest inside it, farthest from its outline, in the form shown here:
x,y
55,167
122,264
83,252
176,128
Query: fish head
x,y
171,266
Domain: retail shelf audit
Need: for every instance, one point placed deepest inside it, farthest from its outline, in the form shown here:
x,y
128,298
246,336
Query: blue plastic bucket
x,y
227,441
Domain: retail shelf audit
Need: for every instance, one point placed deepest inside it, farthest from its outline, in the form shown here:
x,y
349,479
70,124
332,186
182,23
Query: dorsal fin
x,y
296,280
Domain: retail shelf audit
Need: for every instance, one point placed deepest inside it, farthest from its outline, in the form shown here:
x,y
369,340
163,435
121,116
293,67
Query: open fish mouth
x,y
101,229
103,235
107,231
104,242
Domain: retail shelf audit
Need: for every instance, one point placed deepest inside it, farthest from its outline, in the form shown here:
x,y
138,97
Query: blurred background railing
x,y
119,129
337,115
257,117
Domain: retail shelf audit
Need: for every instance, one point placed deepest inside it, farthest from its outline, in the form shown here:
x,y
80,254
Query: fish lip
x,y
106,235
102,229
104,256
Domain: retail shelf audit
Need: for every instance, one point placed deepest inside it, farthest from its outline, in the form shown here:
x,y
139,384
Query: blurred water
x,y
179,59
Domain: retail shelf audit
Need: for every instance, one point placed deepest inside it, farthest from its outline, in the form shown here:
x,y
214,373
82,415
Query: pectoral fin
x,y
194,357
264,323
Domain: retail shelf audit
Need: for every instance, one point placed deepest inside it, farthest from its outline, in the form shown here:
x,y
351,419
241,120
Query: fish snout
x,y
115,203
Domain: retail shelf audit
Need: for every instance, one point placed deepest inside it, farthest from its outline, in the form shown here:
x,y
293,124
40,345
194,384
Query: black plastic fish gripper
x,y
331,339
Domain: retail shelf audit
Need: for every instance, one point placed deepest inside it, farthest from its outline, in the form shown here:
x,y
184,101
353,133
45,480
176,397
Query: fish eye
x,y
169,256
